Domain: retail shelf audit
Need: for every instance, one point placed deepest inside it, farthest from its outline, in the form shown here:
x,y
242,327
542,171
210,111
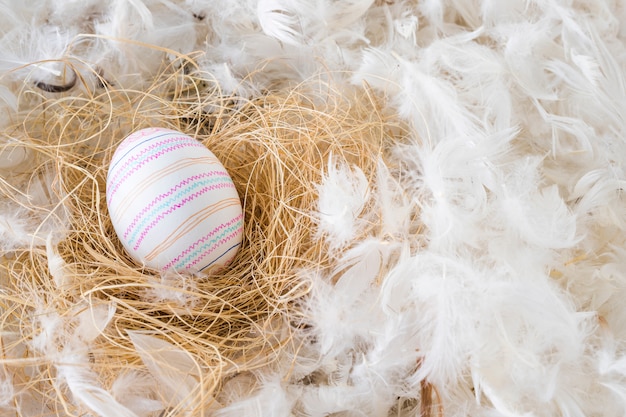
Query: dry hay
x,y
276,147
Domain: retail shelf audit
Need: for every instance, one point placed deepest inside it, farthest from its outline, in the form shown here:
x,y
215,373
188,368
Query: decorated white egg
x,y
172,203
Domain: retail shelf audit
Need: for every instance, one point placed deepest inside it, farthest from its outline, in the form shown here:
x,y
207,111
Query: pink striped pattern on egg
x,y
172,203
223,233
150,153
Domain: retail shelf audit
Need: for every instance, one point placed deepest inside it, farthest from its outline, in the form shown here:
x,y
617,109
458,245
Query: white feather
x,y
177,374
9,98
7,391
15,158
393,203
272,398
177,291
278,21
342,196
57,266
64,342
15,231
133,12
450,185
541,218
433,11
300,22
588,66
483,261
599,193
135,391
132,38
238,388
86,390
93,321
36,54
321,401
344,313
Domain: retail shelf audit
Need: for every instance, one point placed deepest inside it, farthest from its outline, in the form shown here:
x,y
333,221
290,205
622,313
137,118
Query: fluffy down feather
x,y
343,194
487,259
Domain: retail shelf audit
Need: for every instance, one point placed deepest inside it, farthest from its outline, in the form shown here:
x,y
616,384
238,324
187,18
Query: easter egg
x,y
172,203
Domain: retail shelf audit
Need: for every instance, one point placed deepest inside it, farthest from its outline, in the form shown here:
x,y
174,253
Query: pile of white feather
x,y
497,270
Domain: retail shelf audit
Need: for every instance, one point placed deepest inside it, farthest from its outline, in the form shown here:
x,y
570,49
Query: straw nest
x,y
276,147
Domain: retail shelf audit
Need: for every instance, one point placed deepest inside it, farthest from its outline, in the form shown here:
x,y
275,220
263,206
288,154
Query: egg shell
x,y
172,203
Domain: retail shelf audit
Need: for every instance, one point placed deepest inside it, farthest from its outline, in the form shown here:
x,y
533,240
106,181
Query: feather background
x,y
485,256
